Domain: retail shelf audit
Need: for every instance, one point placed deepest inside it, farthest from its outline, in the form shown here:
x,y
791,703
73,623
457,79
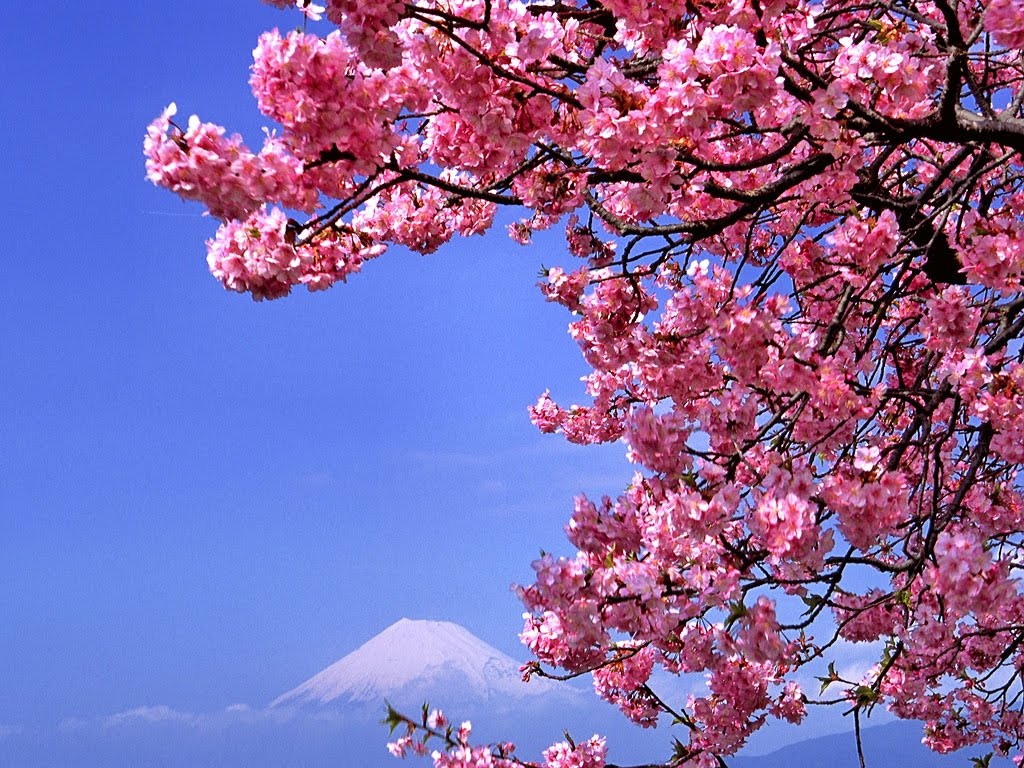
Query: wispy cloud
x,y
163,715
160,713
149,714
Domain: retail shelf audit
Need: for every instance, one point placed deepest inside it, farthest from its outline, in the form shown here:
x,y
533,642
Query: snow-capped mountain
x,y
415,661
334,719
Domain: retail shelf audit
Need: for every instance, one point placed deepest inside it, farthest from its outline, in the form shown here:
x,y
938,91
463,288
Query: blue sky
x,y
204,500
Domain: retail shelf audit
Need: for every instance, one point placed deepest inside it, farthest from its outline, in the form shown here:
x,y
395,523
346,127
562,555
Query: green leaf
x,y
887,654
680,751
827,681
737,611
865,694
393,720
609,559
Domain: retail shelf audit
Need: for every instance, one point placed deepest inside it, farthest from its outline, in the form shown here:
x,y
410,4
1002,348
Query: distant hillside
x,y
894,745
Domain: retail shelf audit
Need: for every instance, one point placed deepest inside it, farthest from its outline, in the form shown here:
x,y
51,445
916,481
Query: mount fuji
x,y
415,661
334,718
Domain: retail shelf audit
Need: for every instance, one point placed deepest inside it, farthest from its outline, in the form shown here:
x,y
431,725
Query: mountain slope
x,y
413,661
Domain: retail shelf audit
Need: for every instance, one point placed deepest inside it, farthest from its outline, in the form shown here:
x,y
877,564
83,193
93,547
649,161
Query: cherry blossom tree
x,y
794,264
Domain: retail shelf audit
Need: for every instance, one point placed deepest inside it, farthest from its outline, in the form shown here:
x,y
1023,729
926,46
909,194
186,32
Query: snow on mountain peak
x,y
412,661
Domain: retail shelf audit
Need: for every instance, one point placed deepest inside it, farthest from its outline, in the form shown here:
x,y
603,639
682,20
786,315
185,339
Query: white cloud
x,y
149,714
162,714
158,713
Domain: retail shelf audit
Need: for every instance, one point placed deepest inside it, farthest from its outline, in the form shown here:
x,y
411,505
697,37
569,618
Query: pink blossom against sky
x,y
204,499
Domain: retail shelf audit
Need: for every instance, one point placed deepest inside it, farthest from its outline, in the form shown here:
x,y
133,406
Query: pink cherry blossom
x,y
793,269
1004,19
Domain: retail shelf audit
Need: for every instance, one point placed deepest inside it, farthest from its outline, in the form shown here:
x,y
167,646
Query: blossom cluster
x,y
794,235
201,163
